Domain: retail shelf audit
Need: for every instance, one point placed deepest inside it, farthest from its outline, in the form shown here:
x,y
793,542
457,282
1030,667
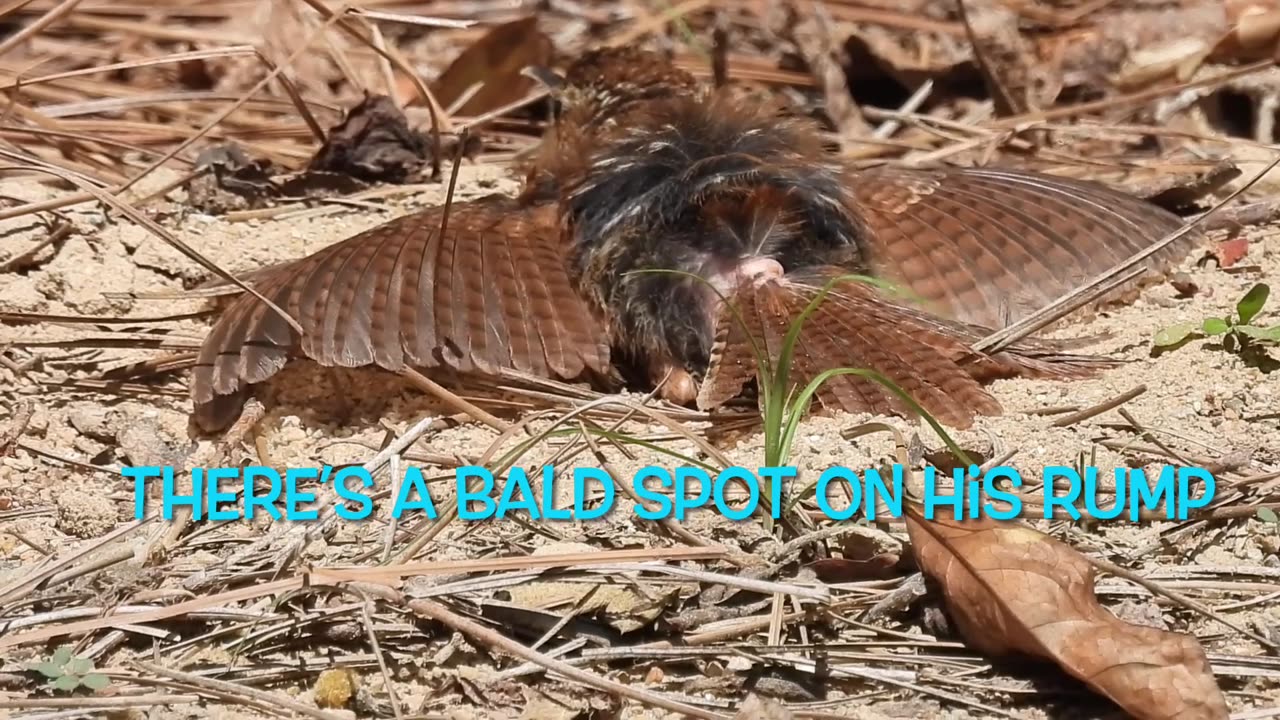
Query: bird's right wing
x,y
492,293
860,326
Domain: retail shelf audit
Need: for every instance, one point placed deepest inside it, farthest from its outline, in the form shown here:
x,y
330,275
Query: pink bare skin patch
x,y
679,386
756,270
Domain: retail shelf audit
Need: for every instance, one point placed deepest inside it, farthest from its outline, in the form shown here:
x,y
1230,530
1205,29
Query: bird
x,y
672,233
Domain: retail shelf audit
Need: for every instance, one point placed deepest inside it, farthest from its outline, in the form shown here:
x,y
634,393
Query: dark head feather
x,y
700,186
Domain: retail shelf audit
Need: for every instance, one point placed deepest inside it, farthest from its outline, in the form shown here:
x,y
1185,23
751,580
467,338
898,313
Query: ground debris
x,y
374,143
1089,89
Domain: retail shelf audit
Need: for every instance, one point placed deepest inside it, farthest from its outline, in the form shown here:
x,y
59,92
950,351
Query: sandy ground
x,y
1201,401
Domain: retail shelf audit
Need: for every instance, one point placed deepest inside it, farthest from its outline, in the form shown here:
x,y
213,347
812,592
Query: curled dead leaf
x,y
487,74
1014,591
374,143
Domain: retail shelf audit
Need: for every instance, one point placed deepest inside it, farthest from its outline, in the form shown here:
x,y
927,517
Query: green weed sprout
x,y
1267,515
782,407
1238,333
66,672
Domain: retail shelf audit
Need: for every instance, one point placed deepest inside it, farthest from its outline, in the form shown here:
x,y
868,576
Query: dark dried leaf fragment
x,y
230,180
319,183
374,143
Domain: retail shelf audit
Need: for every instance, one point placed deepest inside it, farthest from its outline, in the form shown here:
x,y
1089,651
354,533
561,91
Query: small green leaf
x,y
1271,334
1252,302
1268,515
61,655
1215,326
48,669
95,681
1174,334
67,683
80,666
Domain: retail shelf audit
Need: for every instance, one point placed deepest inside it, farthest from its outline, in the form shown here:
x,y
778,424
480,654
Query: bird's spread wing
x,y
492,293
991,246
862,327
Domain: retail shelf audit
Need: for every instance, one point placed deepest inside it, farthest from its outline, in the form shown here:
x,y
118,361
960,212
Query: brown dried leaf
x,y
1014,591
495,60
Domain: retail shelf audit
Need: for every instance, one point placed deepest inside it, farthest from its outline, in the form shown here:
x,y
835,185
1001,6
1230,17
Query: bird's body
x,y
649,179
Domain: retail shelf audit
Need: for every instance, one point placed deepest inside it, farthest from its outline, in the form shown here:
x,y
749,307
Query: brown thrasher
x,y
645,170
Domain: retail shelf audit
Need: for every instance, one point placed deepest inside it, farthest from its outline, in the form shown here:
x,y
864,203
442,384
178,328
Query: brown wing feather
x,y
858,326
991,246
493,294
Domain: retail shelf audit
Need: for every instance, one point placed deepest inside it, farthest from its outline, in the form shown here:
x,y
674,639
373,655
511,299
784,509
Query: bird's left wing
x,y
992,246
